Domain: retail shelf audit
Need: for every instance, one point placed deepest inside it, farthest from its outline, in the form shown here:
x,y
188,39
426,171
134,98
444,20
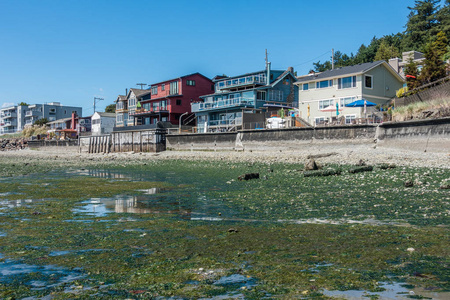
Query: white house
x,y
323,96
102,123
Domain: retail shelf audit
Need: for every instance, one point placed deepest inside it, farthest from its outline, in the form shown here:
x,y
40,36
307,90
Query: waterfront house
x,y
170,99
132,102
241,102
323,96
121,110
102,123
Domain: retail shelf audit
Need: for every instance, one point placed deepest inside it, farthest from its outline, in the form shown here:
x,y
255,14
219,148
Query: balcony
x,y
235,102
7,115
156,109
30,113
259,79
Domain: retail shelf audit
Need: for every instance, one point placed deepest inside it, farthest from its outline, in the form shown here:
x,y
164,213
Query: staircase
x,y
189,120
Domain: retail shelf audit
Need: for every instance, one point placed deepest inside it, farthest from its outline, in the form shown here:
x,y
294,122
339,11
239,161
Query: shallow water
x,y
393,291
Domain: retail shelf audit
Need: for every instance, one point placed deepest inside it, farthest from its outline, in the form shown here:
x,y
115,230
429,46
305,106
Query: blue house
x,y
245,101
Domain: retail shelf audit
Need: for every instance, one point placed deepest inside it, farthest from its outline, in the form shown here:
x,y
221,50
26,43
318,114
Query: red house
x,y
172,98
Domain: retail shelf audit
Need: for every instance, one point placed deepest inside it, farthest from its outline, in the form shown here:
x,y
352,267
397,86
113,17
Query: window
x,y
155,106
261,95
347,82
164,119
163,87
132,101
178,101
190,82
163,105
368,81
319,120
130,115
344,101
325,103
324,84
154,90
305,86
350,119
173,88
212,87
275,95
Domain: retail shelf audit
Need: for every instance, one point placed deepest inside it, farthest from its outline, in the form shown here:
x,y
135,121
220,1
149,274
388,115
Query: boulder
x,y
311,165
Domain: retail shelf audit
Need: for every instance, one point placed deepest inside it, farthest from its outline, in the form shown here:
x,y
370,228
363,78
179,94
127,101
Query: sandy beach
x,y
322,153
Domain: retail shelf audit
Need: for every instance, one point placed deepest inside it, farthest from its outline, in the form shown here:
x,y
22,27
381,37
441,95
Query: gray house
x,y
323,96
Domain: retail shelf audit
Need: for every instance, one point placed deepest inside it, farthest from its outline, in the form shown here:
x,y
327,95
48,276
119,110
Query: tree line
x,y
427,30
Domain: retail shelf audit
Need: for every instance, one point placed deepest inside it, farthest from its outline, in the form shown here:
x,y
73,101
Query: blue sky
x,y
74,50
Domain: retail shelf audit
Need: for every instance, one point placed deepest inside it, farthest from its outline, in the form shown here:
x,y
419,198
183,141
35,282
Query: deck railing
x,y
240,101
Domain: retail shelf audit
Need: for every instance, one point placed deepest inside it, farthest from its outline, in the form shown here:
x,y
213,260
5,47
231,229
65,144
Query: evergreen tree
x,y
422,24
443,17
412,74
434,66
110,108
41,122
386,52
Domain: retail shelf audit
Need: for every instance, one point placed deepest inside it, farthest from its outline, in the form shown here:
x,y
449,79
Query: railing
x,y
196,107
245,80
152,110
7,115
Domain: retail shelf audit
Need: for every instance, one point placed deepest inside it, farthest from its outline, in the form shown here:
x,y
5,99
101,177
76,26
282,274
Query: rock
x,y
361,163
445,186
409,183
249,176
233,230
311,165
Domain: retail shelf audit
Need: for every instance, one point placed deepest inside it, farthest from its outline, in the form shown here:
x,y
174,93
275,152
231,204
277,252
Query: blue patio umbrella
x,y
360,103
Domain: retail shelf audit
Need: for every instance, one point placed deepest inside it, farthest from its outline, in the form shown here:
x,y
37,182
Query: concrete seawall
x,y
424,135
429,135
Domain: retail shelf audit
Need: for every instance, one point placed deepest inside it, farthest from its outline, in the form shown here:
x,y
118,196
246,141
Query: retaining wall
x,y
423,135
430,135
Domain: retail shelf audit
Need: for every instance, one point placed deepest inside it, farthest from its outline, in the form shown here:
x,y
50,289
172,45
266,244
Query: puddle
x,y
37,277
142,204
393,291
345,221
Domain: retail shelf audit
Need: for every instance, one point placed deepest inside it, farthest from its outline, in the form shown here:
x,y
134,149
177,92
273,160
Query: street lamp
x,y
179,122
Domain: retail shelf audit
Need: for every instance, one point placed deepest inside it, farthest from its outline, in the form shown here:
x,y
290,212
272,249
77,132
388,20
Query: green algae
x,y
150,255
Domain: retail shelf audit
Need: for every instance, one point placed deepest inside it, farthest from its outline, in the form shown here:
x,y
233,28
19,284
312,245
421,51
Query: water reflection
x,y
141,204
108,174
15,203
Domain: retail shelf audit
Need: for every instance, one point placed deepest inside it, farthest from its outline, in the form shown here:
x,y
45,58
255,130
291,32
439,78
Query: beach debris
x,y
318,173
387,166
232,230
321,155
248,176
409,183
360,169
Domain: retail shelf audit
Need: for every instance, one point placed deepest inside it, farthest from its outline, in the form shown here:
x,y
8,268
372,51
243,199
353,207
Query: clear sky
x,y
71,51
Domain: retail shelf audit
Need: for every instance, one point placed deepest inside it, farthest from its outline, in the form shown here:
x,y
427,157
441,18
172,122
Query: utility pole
x,y
332,58
141,84
95,101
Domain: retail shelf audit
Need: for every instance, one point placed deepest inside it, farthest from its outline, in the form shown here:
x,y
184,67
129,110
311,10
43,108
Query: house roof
x,y
188,75
60,121
139,92
105,114
284,74
339,72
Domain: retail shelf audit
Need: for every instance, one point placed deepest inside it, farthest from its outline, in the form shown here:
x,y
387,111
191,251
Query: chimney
x,y
126,92
291,69
74,117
